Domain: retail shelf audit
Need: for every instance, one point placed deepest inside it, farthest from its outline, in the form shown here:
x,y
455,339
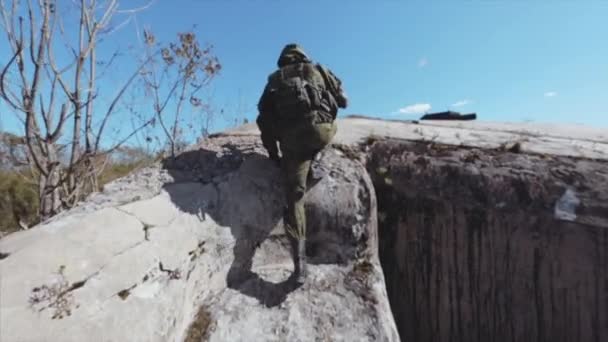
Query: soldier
x,y
297,111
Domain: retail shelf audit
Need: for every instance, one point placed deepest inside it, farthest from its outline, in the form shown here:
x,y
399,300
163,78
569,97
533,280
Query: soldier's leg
x,y
296,172
298,147
295,168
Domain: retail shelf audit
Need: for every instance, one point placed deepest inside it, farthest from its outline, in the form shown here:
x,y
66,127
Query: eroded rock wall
x,y
492,246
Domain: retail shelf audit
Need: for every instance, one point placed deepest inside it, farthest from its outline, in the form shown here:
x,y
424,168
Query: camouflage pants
x,y
299,145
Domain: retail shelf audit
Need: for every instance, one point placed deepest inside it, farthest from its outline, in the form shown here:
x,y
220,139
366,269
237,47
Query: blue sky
x,y
543,61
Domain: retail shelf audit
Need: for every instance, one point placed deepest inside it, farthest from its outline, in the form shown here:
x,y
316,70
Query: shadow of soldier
x,y
241,190
241,277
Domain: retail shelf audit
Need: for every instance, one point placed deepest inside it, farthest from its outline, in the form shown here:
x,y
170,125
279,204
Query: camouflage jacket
x,y
270,122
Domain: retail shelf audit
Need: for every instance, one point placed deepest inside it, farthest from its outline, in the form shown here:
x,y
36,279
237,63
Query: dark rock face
x,y
492,246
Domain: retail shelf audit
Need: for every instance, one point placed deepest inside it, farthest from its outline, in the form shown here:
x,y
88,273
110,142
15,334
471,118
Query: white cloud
x,y
461,103
423,62
550,94
417,108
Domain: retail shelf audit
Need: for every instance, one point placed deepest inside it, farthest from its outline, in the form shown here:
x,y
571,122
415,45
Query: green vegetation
x,y
18,201
120,169
19,191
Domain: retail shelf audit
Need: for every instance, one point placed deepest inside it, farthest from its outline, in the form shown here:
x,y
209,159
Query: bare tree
x,y
174,81
49,98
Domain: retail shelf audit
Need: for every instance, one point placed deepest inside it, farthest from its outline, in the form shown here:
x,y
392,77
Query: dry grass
x,y
200,327
57,296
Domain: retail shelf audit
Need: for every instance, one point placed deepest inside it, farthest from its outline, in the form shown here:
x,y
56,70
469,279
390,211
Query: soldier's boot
x,y
302,271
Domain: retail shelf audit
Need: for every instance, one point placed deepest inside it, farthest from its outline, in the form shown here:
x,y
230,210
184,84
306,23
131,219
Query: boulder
x,y
195,249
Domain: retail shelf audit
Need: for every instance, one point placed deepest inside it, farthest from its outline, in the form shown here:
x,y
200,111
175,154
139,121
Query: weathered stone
x,y
487,232
191,260
540,138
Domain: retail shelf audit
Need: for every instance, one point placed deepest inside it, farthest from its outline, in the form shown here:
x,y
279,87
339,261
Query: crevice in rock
x,y
4,255
75,286
145,226
124,293
79,284
195,253
173,274
123,251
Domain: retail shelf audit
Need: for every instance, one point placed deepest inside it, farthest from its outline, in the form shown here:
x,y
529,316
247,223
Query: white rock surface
x,y
552,139
203,243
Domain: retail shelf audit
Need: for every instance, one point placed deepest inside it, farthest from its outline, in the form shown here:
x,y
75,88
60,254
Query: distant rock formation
x,y
449,115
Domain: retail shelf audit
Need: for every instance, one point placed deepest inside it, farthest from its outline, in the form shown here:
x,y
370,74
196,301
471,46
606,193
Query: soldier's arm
x,y
269,139
265,123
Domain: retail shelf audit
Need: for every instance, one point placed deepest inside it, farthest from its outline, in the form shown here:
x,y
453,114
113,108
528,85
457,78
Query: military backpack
x,y
299,89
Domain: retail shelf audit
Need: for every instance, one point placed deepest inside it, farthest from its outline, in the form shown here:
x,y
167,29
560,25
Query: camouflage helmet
x,y
292,53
